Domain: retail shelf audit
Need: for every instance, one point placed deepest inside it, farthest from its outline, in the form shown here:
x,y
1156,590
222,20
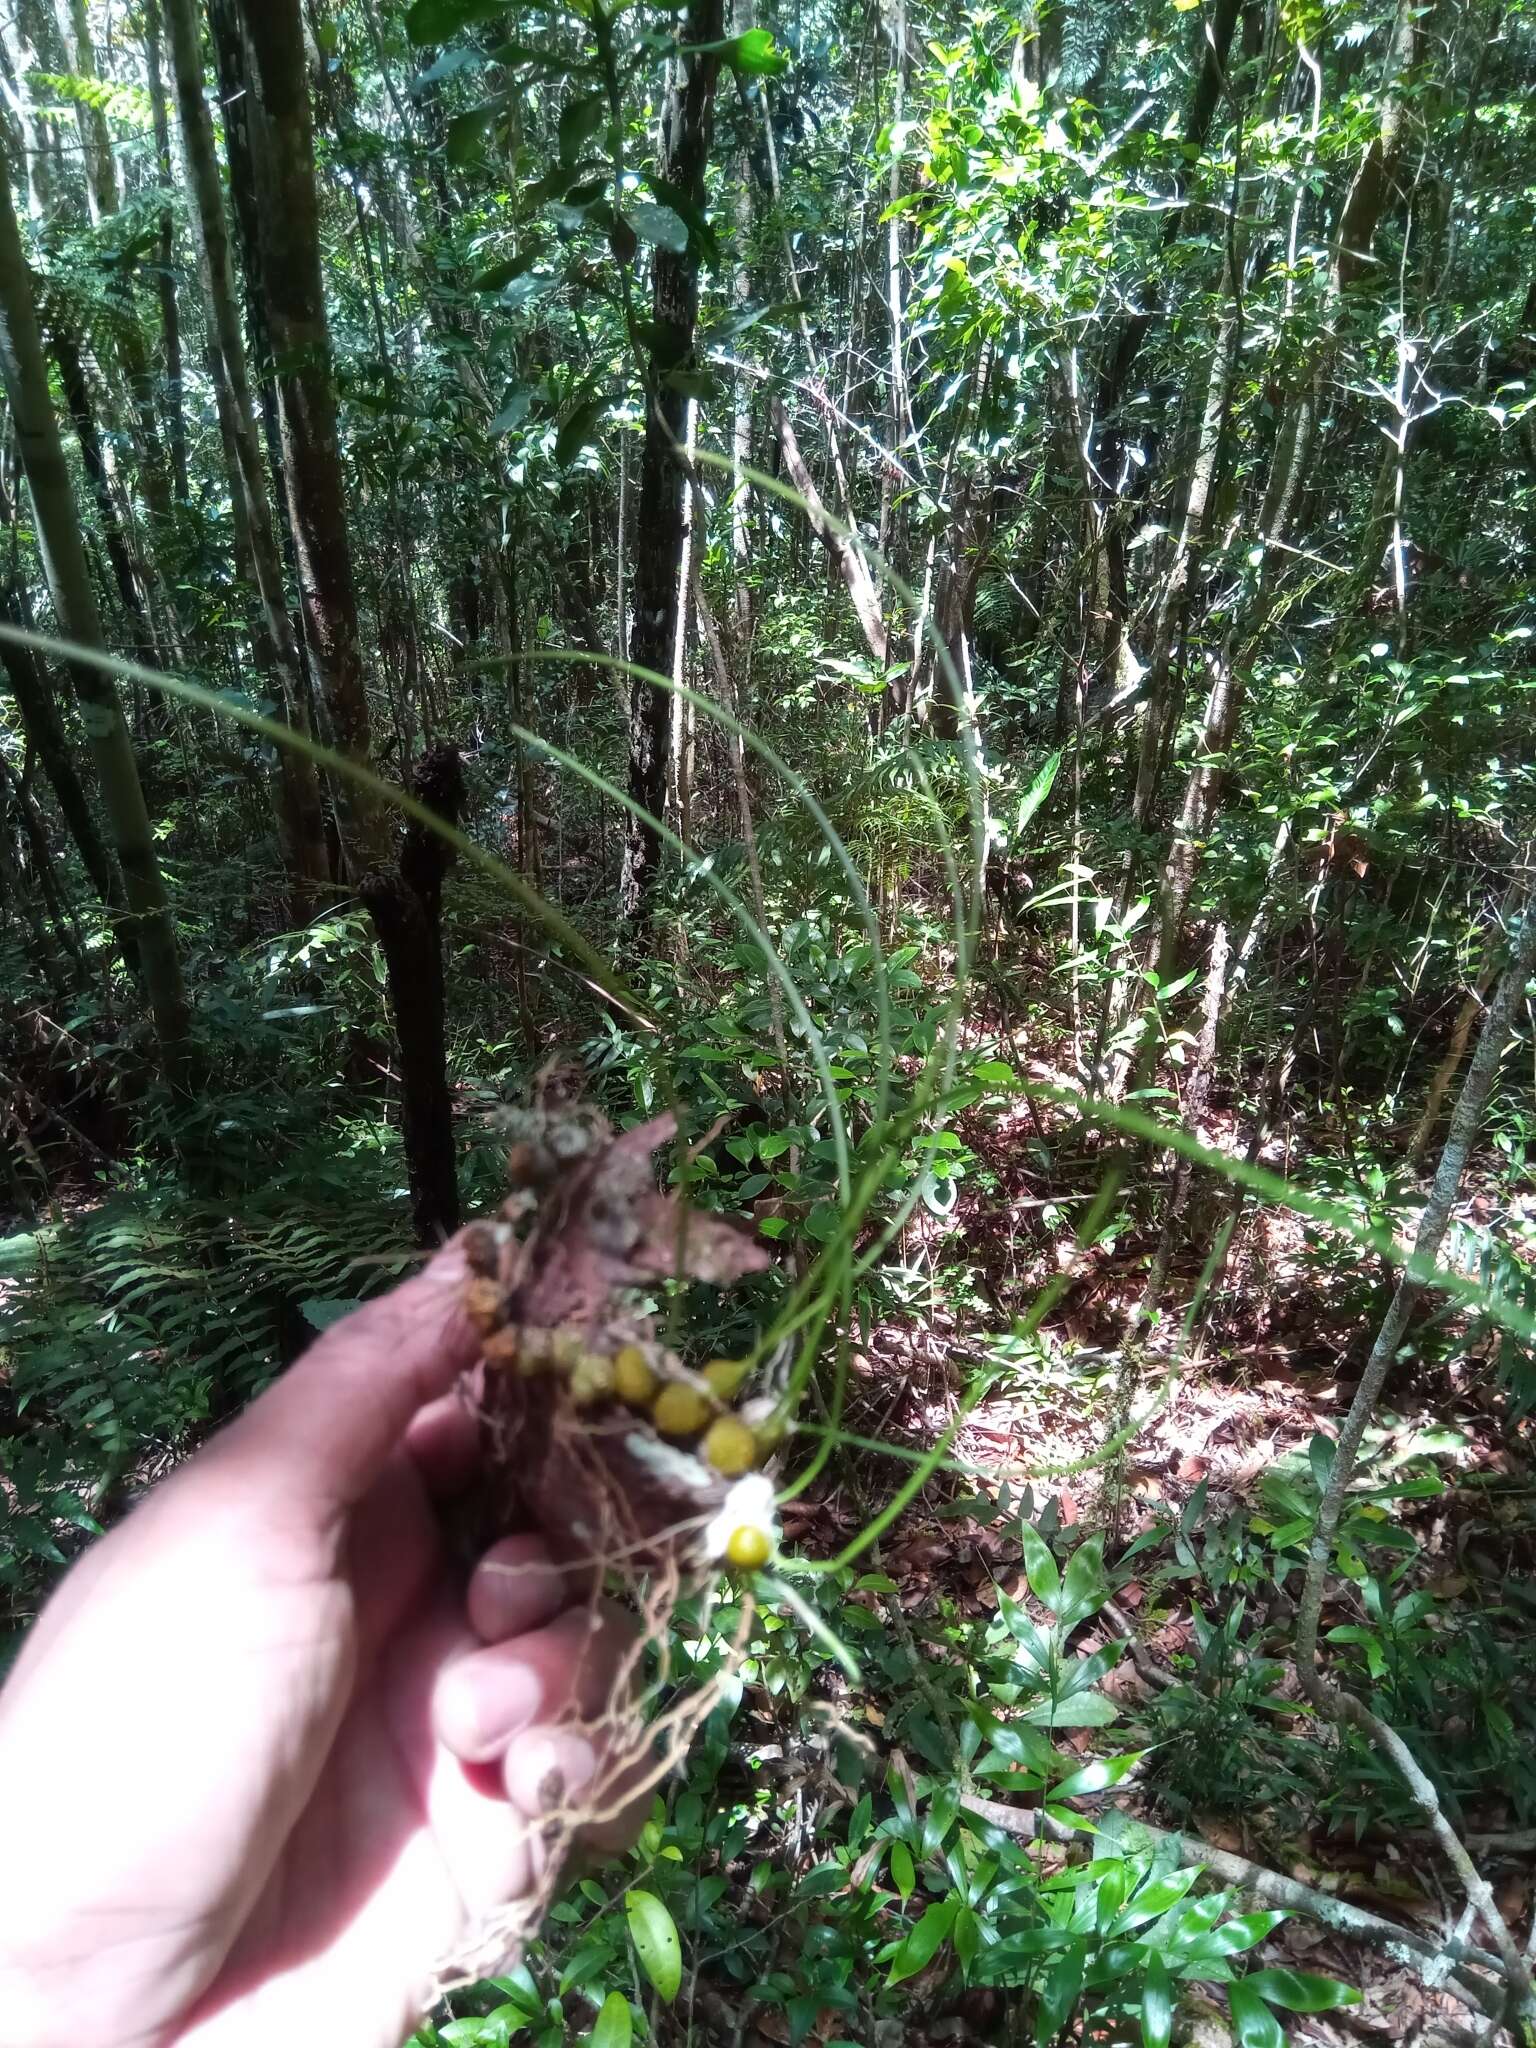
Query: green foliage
x,y
152,1316
906,1882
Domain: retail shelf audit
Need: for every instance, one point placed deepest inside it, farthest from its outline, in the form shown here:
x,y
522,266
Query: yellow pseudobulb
x,y
591,1378
747,1547
730,1446
634,1377
680,1410
725,1376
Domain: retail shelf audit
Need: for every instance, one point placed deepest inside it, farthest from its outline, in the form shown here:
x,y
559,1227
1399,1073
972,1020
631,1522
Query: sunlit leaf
x,y
615,2024
654,1934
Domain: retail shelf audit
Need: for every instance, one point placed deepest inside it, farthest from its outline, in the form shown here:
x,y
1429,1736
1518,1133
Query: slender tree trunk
x,y
165,271
898,409
845,557
129,573
42,458
404,894
54,193
1466,1124
100,170
1439,1087
302,818
406,901
282,149
687,124
1107,462
1202,796
1353,263
741,394
45,733
1160,710
680,777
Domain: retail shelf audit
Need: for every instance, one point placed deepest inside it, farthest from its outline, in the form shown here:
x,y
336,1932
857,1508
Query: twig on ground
x,y
1147,1666
1329,1698
1413,1950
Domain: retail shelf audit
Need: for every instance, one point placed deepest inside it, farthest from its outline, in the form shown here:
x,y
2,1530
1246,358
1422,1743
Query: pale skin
x,y
267,1759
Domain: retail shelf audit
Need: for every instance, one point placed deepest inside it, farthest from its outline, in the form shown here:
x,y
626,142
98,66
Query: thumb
x,y
327,1428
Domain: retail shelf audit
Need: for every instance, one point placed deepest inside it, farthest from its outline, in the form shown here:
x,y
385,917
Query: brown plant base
x,y
636,1466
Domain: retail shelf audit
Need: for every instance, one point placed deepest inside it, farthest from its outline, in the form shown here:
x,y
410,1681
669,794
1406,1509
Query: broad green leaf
x,y
514,411
579,120
1156,1897
1321,1452
1244,1931
577,429
654,1934
615,2024
1190,1923
434,21
1059,1995
659,226
1097,1776
1036,793
1156,2005
1039,1565
1083,1589
903,1876
496,276
1085,1710
1255,2025
751,55
925,1941
1298,1991
1017,1741
467,131
939,1819
755,55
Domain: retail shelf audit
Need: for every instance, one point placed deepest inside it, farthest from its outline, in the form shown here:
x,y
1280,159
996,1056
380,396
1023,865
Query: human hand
x,y
263,1762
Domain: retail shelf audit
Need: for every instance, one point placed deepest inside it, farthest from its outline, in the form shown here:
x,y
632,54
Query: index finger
x,y
334,1419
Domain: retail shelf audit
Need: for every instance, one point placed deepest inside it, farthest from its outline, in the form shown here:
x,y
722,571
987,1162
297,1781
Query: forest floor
x,y
1240,1764
1276,1366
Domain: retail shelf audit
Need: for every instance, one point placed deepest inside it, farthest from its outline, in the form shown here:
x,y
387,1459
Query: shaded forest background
x,y
949,590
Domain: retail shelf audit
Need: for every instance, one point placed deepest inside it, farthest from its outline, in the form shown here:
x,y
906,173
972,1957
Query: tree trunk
x,y
45,732
1434,1221
100,171
846,558
50,186
293,300
403,895
741,390
165,273
301,815
687,124
405,901
42,459
129,573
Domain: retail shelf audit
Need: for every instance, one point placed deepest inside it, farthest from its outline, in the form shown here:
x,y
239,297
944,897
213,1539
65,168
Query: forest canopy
x,y
938,600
